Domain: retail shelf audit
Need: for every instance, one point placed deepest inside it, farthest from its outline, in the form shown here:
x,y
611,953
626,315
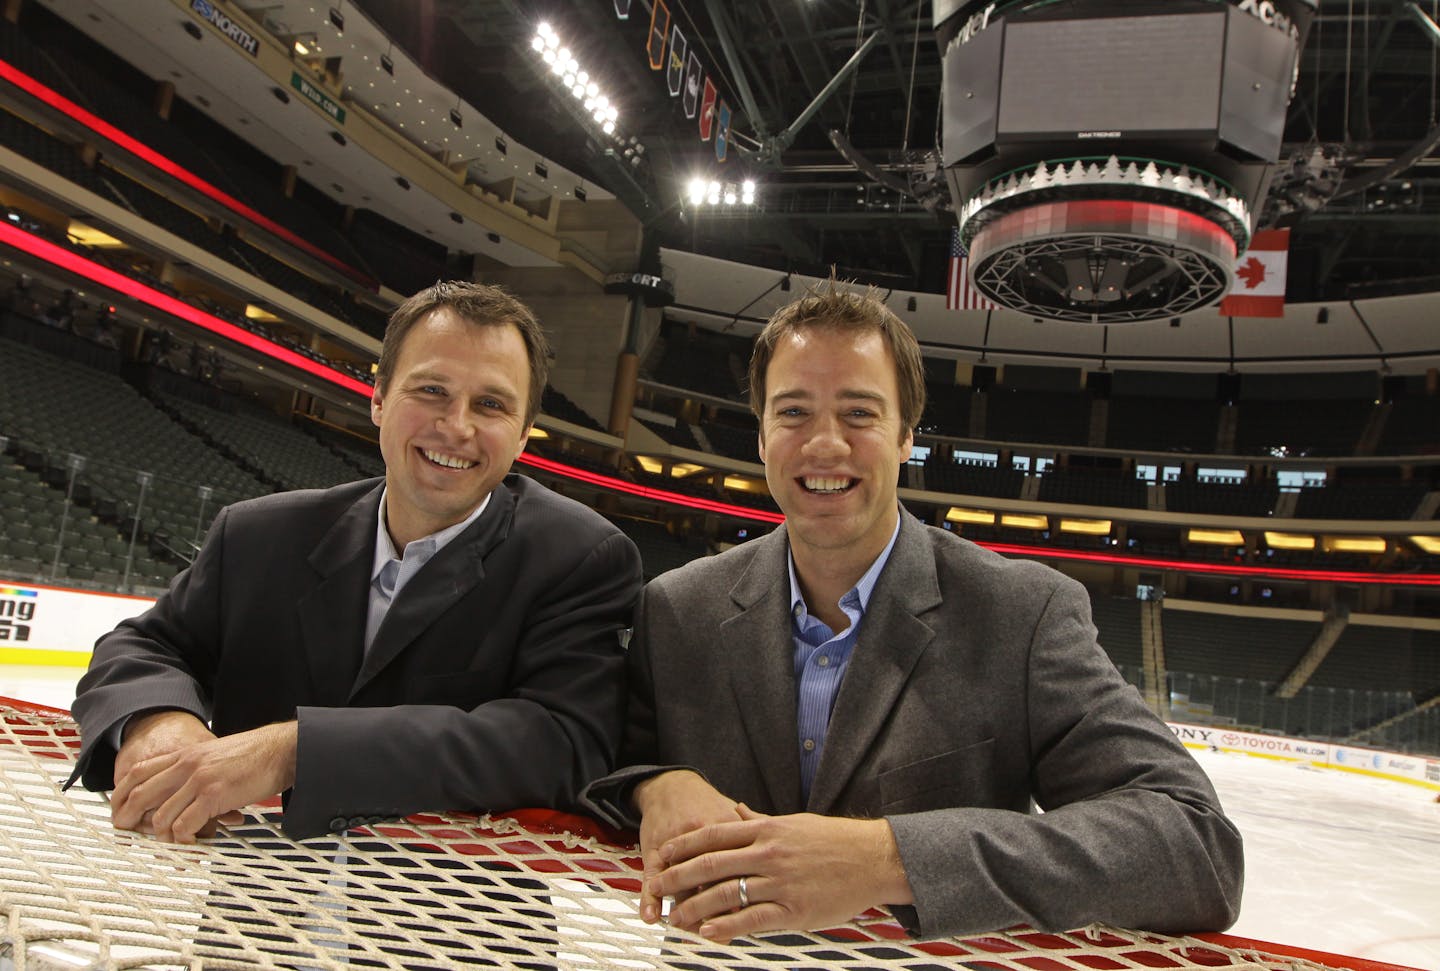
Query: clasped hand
x,y
176,780
802,871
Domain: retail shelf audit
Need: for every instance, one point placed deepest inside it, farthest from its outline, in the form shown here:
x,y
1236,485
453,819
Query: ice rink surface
x,y
1334,861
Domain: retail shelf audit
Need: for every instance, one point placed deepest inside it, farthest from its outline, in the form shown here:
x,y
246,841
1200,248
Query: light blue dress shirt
x,y
821,657
391,570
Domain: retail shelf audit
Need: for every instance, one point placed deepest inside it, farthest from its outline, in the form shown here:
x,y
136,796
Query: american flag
x,y
960,295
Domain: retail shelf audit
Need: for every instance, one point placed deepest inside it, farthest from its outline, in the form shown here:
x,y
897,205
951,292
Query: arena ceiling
x,y
1366,96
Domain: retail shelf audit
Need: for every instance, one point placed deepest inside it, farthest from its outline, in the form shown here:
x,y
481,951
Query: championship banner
x,y
675,73
622,9
691,101
659,26
1259,287
722,131
707,110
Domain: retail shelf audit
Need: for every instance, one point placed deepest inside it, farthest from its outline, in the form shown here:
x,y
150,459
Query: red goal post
x,y
526,889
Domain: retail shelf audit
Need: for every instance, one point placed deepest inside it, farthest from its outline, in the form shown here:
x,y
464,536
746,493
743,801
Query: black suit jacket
x,y
494,682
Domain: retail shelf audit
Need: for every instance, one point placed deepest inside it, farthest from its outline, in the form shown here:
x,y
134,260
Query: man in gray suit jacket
x,y
447,638
859,710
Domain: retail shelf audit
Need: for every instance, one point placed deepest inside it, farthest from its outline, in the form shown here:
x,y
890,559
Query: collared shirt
x,y
821,657
391,570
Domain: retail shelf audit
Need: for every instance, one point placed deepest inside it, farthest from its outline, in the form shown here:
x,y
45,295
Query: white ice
x,y
1335,861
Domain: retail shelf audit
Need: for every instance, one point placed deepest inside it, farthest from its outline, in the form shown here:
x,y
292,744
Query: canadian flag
x,y
1259,287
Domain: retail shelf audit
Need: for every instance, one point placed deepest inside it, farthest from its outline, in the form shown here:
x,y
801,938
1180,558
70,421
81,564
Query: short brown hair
x,y
826,305
479,304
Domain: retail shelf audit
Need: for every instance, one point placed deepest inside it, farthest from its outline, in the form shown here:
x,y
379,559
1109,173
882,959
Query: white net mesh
x,y
452,891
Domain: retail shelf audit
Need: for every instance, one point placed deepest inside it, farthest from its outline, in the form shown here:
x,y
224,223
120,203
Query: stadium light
x,y
701,191
578,82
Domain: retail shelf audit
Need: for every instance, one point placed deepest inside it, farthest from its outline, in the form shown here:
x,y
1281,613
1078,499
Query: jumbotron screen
x,y
1175,108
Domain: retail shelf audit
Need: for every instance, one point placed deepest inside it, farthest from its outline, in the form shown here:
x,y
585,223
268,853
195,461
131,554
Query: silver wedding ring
x,y
744,894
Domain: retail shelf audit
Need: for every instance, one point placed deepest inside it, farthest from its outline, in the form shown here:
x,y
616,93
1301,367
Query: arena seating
x,y
56,407
660,551
556,405
77,69
89,549
260,440
1051,417
406,261
1163,424
1373,659
1092,487
1118,621
1361,499
364,456
1328,427
1222,498
732,440
1237,647
967,478
1233,664
678,434
704,361
947,410
166,213
1413,426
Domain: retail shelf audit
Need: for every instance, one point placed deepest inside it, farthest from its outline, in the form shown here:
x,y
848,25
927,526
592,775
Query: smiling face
x,y
451,419
832,441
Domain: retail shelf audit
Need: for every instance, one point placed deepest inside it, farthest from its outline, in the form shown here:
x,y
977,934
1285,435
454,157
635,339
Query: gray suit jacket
x,y
976,691
496,680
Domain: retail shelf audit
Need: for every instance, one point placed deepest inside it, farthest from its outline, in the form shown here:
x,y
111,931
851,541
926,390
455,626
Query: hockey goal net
x,y
525,890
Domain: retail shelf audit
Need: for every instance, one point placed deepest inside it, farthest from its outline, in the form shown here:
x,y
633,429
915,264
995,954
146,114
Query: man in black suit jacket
x,y
444,638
